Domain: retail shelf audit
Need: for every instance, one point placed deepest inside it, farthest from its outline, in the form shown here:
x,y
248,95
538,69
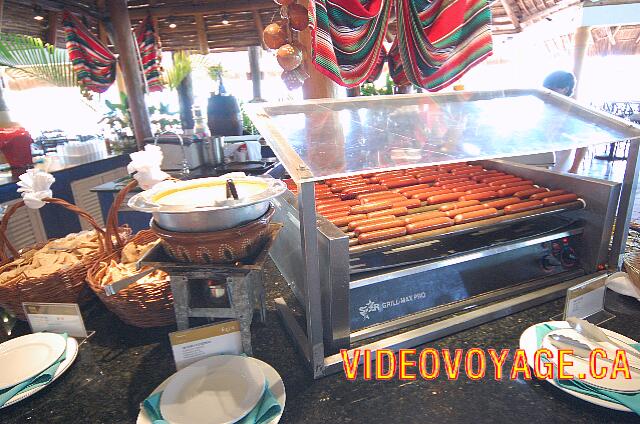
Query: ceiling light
x,y
225,19
172,23
37,13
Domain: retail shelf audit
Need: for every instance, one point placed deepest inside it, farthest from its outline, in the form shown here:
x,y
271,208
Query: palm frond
x,y
30,57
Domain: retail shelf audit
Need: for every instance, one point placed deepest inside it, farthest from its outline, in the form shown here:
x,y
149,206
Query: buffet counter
x,y
120,365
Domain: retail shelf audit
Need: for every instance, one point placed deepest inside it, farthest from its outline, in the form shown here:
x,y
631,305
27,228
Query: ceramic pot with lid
x,y
202,205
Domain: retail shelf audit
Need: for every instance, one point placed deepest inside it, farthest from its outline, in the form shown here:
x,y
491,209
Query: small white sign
x,y
191,345
55,318
586,299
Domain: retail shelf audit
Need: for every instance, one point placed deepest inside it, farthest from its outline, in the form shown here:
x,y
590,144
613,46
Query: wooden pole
x,y
256,75
259,27
579,52
202,34
317,86
52,29
128,58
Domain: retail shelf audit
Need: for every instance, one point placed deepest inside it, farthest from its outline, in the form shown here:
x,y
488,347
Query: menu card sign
x,y
191,345
586,299
55,318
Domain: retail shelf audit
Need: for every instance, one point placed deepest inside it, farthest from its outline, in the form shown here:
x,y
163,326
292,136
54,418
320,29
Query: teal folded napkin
x,y
630,400
41,379
265,410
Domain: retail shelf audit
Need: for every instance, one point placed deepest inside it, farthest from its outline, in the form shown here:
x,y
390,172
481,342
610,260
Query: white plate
x,y
217,390
581,366
72,353
27,356
528,342
273,379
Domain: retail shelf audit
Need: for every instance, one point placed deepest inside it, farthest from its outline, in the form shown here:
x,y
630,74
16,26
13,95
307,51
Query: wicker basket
x,y
66,285
632,266
141,305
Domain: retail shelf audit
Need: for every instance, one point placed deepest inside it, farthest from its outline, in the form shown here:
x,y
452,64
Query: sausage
x,y
479,190
404,182
327,200
427,178
320,188
463,218
516,183
524,206
393,211
501,203
345,220
552,193
451,178
343,179
335,214
425,195
364,220
512,190
497,178
469,187
379,235
372,196
422,190
483,173
458,205
341,187
334,208
510,180
448,185
392,197
488,174
452,213
353,192
479,196
466,171
379,177
558,200
416,217
367,228
324,196
403,190
370,207
443,198
428,225
409,203
527,193
329,205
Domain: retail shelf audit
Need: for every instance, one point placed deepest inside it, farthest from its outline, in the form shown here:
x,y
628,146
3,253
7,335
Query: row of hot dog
x,y
391,204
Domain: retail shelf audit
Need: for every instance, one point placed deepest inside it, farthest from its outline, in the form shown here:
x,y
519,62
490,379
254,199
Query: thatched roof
x,y
199,23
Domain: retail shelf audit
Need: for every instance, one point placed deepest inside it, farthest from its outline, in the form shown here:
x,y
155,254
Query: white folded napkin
x,y
35,185
620,283
146,165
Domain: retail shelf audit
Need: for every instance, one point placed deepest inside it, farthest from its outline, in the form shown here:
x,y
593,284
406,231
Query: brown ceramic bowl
x,y
216,247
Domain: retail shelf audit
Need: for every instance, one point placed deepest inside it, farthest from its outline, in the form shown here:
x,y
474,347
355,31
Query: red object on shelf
x,y
15,144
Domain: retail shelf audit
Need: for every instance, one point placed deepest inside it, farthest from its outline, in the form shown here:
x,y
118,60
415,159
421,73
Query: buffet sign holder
x,y
244,284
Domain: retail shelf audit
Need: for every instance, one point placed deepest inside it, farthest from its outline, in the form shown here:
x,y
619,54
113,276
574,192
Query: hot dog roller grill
x,y
398,295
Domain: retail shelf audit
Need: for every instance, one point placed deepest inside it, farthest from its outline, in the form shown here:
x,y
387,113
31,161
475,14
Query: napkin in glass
x,y
41,379
630,400
265,410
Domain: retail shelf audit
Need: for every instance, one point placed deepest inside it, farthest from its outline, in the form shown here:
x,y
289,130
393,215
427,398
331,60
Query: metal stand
x,y
243,282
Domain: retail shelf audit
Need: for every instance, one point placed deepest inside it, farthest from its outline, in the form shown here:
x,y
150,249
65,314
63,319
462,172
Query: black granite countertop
x,y
120,365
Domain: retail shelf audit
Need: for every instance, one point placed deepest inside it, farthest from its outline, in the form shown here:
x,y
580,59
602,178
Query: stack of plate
x,y
587,387
26,357
217,390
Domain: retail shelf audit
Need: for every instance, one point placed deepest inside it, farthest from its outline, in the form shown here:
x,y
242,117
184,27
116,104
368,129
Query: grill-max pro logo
x,y
372,306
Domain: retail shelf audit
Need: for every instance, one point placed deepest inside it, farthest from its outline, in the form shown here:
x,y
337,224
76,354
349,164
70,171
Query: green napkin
x,y
41,379
265,410
630,400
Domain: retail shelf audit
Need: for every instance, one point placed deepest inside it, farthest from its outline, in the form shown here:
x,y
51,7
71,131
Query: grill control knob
x,y
568,257
550,262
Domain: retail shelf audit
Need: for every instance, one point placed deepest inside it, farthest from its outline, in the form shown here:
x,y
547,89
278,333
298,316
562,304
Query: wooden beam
x,y
128,59
259,27
209,8
59,6
514,19
103,35
52,28
202,34
554,9
610,36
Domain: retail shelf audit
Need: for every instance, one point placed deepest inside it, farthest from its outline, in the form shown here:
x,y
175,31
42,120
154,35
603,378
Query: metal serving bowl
x,y
196,213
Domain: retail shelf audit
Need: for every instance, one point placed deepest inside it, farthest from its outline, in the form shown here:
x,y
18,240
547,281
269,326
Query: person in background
x,y
564,83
